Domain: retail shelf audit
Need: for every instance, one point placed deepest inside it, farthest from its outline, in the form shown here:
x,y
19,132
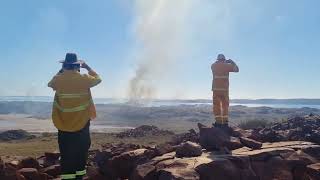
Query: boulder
x,y
164,148
281,160
123,165
29,162
101,157
192,136
44,162
93,173
9,172
313,171
266,135
53,170
14,163
227,168
189,149
30,173
212,138
177,169
144,172
182,174
233,143
250,143
314,137
238,132
273,168
52,156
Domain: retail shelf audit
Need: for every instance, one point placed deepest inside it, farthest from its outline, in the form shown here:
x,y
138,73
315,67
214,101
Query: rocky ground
x,y
288,150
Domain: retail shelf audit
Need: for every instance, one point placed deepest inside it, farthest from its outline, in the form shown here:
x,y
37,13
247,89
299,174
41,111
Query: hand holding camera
x,y
84,65
230,61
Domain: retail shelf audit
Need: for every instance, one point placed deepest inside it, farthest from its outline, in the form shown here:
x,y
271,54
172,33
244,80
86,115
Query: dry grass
x,y
254,123
36,147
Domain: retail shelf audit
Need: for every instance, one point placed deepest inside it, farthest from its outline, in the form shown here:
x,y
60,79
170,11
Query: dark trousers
x,y
74,147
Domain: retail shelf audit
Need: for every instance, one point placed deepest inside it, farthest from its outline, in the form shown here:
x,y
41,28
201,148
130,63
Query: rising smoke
x,y
161,31
169,31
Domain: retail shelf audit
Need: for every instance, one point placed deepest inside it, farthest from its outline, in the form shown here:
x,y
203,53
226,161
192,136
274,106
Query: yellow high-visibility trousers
x,y
221,106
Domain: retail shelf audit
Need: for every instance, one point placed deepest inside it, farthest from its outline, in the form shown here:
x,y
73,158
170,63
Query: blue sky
x,y
275,43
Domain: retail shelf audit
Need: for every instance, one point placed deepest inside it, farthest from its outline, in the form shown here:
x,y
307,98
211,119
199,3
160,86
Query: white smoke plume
x,y
161,31
170,32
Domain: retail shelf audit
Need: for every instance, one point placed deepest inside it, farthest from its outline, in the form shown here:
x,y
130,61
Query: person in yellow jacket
x,y
73,108
220,88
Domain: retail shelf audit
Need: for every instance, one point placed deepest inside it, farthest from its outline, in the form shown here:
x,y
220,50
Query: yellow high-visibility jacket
x,y
220,72
73,106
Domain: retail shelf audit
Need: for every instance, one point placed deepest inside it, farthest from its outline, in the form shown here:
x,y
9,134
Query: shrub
x,y
254,123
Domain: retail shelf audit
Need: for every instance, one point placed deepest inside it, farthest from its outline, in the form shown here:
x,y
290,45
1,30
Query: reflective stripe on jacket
x,y
73,105
220,72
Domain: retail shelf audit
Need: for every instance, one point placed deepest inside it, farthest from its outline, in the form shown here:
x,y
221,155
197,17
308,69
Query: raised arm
x,y
93,78
233,66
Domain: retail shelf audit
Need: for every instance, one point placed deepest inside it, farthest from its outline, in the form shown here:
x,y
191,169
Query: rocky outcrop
x,y
144,130
280,160
212,154
283,160
300,128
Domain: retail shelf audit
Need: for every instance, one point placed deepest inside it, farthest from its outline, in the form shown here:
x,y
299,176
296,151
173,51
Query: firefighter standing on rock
x,y
220,88
72,111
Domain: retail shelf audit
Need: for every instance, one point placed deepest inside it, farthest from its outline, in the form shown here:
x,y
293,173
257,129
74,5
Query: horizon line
x,y
254,99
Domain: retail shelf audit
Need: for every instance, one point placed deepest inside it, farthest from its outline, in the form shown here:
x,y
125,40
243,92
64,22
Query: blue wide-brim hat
x,y
71,58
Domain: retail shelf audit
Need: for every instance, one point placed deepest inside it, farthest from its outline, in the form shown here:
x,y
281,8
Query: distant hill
x,y
297,101
277,101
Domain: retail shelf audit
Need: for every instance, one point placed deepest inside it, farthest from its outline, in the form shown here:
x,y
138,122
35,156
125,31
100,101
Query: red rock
x,y
234,168
233,143
313,171
144,172
9,172
274,168
250,143
14,163
52,155
188,149
1,167
238,132
44,176
164,148
168,174
53,170
212,138
30,173
99,177
93,173
29,162
123,165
